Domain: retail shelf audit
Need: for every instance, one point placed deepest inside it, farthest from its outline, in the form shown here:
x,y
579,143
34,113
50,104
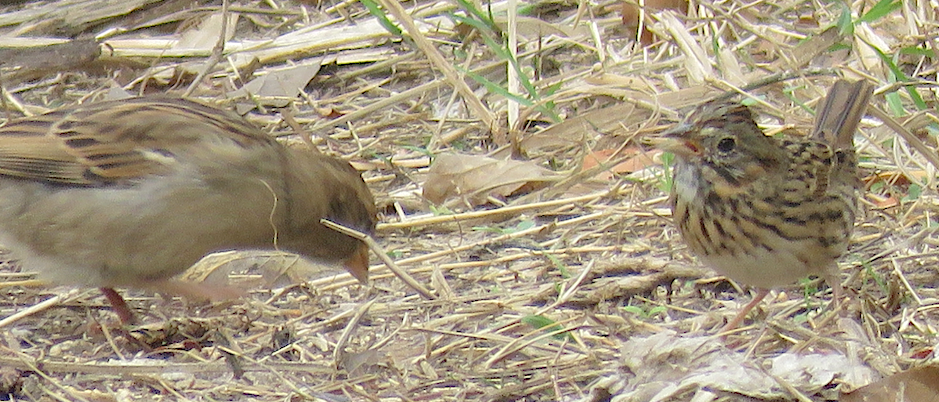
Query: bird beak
x,y
676,141
357,264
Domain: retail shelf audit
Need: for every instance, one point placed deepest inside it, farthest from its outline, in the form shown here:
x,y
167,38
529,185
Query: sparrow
x,y
763,210
129,193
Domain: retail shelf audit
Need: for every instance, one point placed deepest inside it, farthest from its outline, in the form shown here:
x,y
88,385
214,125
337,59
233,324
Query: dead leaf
x,y
666,366
920,384
805,52
276,88
882,201
475,178
574,131
631,14
204,35
638,159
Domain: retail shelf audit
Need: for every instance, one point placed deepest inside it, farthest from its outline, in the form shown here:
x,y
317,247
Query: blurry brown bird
x,y
129,193
766,211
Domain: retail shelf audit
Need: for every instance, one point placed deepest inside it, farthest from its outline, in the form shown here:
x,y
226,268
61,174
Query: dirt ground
x,y
501,141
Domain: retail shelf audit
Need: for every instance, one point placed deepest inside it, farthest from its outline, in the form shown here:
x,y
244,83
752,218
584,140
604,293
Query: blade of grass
x,y
375,10
880,10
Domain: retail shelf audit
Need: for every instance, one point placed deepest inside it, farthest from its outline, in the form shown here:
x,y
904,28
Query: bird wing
x,y
117,141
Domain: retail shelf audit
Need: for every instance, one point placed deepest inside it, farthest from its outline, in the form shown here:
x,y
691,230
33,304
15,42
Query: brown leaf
x,y
881,201
919,384
277,87
572,133
638,159
631,10
475,178
631,14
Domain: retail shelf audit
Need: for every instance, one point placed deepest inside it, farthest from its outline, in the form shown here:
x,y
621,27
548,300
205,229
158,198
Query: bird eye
x,y
726,145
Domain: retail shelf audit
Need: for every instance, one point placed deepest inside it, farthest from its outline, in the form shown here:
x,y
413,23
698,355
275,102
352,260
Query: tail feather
x,y
837,117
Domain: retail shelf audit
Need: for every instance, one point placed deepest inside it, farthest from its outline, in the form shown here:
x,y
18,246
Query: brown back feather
x,y
112,142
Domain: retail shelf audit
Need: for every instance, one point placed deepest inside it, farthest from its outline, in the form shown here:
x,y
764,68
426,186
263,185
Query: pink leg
x,y
760,295
837,290
118,305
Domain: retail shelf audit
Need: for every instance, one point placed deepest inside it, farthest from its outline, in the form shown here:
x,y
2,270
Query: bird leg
x,y
119,306
833,279
172,287
760,295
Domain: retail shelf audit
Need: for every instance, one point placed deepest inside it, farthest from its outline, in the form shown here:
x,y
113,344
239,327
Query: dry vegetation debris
x,y
556,274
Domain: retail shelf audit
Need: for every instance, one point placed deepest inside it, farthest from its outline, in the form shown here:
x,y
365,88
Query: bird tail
x,y
837,117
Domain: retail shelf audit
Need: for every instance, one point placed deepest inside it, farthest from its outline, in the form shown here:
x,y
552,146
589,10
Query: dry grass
x,y
629,311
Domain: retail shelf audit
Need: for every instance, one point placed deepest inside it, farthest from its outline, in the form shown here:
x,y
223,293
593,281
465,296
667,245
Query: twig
x,y
378,250
216,56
